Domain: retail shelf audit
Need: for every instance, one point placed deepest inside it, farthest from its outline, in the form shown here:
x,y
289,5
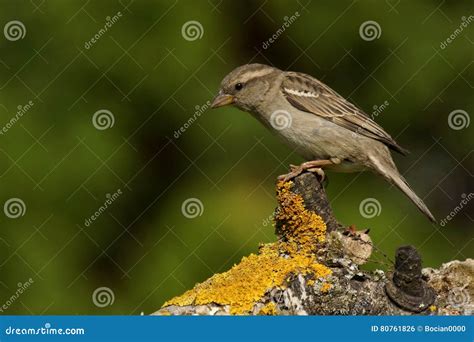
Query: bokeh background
x,y
151,72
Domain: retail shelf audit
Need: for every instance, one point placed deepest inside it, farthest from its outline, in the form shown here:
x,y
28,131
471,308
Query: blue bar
x,y
245,329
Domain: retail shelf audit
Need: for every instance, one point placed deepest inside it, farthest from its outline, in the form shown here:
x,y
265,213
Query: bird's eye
x,y
239,86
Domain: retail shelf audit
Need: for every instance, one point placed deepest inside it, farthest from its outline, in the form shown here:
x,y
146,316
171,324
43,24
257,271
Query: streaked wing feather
x,y
310,95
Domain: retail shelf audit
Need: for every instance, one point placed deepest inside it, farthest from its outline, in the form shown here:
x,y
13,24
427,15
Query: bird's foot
x,y
311,166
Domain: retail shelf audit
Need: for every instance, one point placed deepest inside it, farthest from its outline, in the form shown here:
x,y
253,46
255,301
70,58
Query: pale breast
x,y
316,138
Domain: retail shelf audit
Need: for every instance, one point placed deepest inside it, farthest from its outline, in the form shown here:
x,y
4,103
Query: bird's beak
x,y
222,99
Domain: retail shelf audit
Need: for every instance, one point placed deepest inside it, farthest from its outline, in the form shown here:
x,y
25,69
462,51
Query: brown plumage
x,y
318,123
333,107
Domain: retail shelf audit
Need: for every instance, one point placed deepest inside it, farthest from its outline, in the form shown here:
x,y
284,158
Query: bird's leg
x,y
312,166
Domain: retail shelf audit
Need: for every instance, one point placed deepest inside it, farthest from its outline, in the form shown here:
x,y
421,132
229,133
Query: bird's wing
x,y
310,95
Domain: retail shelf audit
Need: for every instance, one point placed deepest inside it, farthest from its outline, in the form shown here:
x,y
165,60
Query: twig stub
x,y
308,186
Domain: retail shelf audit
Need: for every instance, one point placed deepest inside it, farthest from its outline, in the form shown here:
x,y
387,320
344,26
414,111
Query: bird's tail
x,y
402,184
386,167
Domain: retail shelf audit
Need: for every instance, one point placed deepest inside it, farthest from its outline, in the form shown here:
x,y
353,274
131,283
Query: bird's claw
x,y
296,170
319,172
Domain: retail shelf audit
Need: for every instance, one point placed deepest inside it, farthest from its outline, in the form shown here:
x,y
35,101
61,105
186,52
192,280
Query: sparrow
x,y
328,131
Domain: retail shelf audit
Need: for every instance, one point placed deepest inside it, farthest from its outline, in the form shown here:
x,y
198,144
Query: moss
x,y
247,282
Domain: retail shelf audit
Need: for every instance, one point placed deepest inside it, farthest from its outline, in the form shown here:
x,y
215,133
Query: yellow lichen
x,y
432,308
165,313
247,282
300,229
269,309
325,287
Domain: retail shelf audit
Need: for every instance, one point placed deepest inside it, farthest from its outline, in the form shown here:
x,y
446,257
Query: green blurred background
x,y
152,78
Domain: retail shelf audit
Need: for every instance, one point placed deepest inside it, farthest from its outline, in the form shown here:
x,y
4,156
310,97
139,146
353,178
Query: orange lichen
x,y
301,230
269,309
247,282
325,287
165,313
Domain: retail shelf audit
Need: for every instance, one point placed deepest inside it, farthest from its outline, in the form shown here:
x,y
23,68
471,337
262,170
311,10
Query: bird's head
x,y
245,86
